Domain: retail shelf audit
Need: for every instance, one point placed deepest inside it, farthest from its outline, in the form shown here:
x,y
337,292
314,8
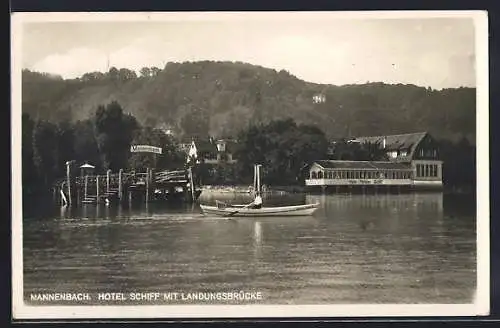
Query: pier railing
x,y
93,188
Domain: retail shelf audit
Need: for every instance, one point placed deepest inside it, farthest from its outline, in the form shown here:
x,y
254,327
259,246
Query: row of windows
x,y
361,175
427,170
428,153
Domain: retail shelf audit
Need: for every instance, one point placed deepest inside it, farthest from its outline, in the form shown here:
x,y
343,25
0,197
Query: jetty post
x,y
68,178
61,191
86,187
191,183
97,188
78,193
108,176
147,184
120,187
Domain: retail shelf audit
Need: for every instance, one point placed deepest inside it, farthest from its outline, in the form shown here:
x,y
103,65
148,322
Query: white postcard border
x,y
482,299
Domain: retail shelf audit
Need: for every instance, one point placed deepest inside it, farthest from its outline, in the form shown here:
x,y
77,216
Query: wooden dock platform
x,y
132,186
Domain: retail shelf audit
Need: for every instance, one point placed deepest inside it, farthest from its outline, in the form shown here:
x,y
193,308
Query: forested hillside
x,y
222,98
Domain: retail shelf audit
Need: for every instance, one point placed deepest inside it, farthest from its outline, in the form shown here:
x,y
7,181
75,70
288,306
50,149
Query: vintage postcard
x,y
250,164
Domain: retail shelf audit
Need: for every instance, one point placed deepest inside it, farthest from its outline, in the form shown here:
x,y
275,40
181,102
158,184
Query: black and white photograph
x,y
250,164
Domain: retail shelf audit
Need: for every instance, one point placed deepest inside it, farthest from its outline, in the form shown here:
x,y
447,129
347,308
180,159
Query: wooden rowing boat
x,y
255,209
242,211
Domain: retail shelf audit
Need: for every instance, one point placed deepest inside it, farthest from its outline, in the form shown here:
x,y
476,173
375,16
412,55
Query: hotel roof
x,y
362,165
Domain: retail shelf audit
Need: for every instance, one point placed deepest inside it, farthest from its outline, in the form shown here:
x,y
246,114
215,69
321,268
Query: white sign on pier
x,y
145,149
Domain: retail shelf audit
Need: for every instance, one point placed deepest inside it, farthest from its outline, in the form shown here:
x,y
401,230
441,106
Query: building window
x,y
403,153
221,146
426,170
314,175
320,175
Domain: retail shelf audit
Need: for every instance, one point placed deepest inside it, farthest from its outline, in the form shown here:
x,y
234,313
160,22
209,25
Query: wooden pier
x,y
128,187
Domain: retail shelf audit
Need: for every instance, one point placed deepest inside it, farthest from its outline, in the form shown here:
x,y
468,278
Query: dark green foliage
x,y
459,163
114,133
355,151
221,174
225,97
282,147
46,157
273,113
170,159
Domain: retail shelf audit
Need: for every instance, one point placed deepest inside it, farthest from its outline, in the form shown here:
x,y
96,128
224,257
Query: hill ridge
x,y
220,98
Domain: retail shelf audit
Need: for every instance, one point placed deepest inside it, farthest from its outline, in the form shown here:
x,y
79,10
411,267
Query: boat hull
x,y
296,210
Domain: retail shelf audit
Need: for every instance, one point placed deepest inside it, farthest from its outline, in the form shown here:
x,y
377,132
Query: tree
x,y
113,73
29,176
125,74
145,72
195,122
65,136
45,156
282,147
114,133
171,158
155,71
85,144
355,151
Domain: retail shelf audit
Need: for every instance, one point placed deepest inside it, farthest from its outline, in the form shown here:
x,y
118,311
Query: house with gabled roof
x,y
211,151
413,161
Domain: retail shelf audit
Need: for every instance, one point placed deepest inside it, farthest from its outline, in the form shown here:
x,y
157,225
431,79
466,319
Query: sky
x,y
431,52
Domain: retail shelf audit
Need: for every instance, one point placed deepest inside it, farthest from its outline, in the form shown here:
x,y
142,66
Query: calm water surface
x,y
411,248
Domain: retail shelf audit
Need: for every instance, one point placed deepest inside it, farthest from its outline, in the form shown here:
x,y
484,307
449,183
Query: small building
x,y
86,169
413,161
212,151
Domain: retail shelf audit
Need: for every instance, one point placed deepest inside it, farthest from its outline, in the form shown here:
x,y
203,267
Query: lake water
x,y
408,248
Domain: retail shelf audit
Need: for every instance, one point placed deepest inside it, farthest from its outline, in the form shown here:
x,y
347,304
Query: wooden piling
x,y
97,189
191,182
85,190
147,184
108,176
61,191
68,177
78,195
120,187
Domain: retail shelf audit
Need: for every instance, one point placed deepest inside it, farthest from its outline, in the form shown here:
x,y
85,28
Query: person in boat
x,y
257,202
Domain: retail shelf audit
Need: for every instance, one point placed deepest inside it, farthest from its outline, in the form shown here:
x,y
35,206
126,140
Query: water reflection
x,y
257,239
408,248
